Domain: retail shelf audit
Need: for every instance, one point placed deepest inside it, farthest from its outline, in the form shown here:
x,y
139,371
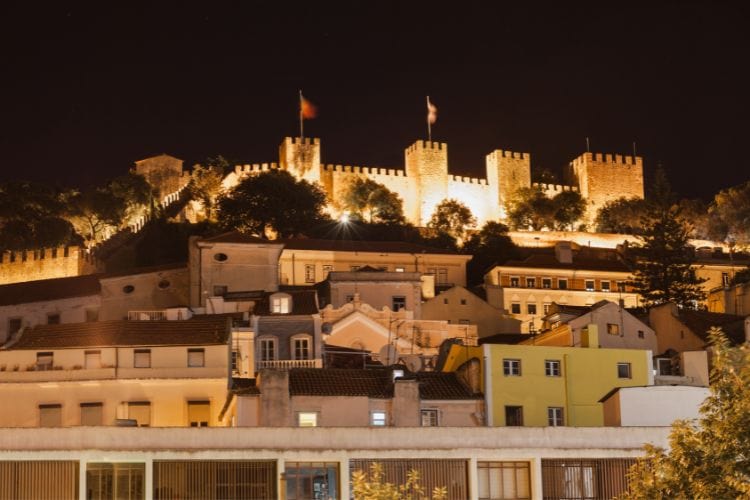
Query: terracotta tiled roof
x,y
304,302
373,383
548,261
246,386
238,237
700,322
52,289
200,330
361,246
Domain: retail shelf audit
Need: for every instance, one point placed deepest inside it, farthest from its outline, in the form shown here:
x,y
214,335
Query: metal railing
x,y
147,315
286,364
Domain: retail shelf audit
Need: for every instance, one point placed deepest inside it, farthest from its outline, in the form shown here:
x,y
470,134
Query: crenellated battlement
x,y
302,140
11,257
613,159
255,168
554,188
500,153
439,146
356,169
45,263
467,180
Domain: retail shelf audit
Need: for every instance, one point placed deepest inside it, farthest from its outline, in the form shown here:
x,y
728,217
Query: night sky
x,y
87,90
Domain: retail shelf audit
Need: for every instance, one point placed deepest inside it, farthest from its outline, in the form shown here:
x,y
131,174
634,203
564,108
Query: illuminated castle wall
x,y
425,180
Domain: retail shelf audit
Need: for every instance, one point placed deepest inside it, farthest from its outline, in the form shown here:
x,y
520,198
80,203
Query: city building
x,y
654,406
460,306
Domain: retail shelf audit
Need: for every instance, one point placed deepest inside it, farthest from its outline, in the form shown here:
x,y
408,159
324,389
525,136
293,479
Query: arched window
x,y
301,347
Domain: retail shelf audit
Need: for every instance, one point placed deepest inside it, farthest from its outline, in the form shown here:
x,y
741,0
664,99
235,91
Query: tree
x,y
373,202
488,246
272,200
531,208
732,207
569,207
205,187
451,217
623,216
662,262
95,212
374,487
707,458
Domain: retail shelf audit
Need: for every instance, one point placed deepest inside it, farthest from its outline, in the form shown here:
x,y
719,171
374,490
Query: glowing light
x,y
344,219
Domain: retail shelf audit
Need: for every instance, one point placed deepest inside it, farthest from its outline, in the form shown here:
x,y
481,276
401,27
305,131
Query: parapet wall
x,y
552,190
46,263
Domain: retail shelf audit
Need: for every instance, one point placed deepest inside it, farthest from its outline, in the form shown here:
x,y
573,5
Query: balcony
x,y
287,364
147,315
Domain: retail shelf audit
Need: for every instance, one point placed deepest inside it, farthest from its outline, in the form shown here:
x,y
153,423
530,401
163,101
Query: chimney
x,y
564,252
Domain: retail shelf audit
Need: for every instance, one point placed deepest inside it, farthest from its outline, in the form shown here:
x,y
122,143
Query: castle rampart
x,y
44,263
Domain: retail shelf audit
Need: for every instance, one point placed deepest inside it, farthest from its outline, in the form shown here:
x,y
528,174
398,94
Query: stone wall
x,y
44,264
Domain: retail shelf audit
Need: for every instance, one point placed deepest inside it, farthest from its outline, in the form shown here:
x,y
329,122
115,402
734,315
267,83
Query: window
x,y
640,334
400,269
142,358
306,480
307,419
349,298
50,415
140,411
92,360
623,370
725,279
220,290
514,415
503,480
546,282
92,315
220,257
354,269
512,367
399,302
589,285
555,416
605,286
531,308
515,308
620,286
442,276
562,283
463,302
163,284
552,367
199,413
53,319
44,361
613,329
377,418
196,358
464,322
115,480
92,414
545,307
281,304
309,273
445,301
327,268
429,418
14,324
530,282
301,347
235,361
267,349
664,366
515,281
127,289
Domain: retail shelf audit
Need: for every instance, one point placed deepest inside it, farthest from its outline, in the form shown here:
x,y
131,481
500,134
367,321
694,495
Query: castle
x,y
425,181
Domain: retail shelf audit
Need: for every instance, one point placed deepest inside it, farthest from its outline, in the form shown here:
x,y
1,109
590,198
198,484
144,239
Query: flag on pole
x,y
307,109
431,112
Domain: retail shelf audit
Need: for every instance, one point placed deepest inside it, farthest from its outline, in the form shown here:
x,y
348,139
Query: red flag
x,y
307,109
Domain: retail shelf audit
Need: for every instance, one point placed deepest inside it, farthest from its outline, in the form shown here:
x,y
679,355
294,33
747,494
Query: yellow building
x,y
538,386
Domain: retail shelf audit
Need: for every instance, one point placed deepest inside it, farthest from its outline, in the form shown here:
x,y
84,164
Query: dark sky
x,y
87,90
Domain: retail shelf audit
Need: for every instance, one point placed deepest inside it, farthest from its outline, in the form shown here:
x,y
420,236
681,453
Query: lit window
x,y
515,308
515,281
301,348
429,418
140,411
546,282
589,285
545,307
552,367
623,370
92,414
555,416
44,361
267,349
327,268
142,358
307,419
531,308
400,269
281,304
309,273
530,282
512,367
605,286
562,283
377,418
199,413
613,329
399,302
514,415
50,415
196,358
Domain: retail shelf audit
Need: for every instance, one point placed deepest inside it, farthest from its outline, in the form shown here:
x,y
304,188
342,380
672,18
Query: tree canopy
x,y
205,186
373,202
623,216
452,218
662,261
273,200
709,458
732,207
532,208
490,245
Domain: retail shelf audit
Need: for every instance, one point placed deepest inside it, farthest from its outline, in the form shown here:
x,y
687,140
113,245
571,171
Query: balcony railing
x,y
147,315
286,364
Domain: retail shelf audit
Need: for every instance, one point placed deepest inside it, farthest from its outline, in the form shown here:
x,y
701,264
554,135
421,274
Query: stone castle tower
x,y
425,180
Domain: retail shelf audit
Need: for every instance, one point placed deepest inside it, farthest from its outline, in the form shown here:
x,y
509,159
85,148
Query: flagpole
x,y
301,118
429,125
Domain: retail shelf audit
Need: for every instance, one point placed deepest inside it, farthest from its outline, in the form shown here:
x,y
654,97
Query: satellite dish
x,y
326,327
387,354
413,363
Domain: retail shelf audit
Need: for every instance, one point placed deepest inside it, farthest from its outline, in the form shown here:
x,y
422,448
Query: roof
x,y
304,302
245,386
238,237
199,330
700,322
505,338
145,270
585,258
373,383
52,289
362,246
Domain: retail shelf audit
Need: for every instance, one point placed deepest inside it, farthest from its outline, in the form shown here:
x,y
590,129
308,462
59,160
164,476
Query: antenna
x,y
588,146
634,155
